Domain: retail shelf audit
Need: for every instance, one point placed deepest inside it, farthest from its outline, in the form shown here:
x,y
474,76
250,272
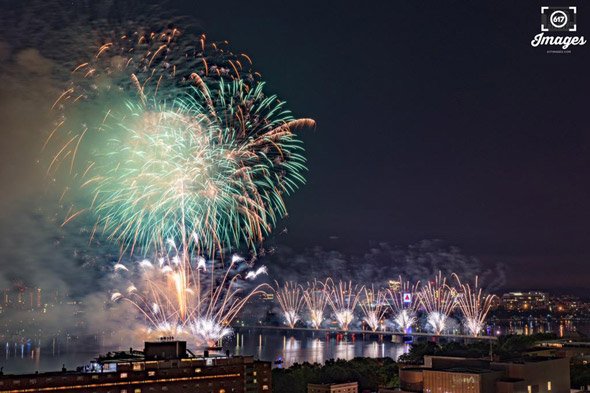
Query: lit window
x,y
221,390
197,370
254,373
123,375
151,373
529,389
548,385
264,387
137,366
138,390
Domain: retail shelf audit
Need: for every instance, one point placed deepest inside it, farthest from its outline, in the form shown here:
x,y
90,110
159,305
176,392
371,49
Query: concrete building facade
x,y
461,375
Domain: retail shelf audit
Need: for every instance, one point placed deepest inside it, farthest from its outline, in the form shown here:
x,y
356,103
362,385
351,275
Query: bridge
x,y
379,332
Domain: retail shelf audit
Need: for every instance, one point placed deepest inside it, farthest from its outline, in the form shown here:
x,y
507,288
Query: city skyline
x,y
294,196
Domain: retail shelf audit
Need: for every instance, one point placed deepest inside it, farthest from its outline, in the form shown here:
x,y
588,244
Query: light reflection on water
x,y
28,356
298,347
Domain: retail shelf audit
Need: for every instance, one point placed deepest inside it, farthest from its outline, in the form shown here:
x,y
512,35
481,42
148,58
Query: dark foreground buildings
x,y
165,366
463,375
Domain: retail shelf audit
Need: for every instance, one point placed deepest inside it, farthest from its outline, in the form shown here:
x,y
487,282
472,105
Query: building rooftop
x,y
527,359
464,370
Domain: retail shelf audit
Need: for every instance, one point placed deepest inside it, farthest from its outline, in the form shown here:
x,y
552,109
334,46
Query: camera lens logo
x,y
558,18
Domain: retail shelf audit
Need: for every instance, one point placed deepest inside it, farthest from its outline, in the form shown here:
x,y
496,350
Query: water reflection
x,y
281,346
286,348
317,351
531,325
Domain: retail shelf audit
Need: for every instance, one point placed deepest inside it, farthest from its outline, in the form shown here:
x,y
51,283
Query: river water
x,y
280,346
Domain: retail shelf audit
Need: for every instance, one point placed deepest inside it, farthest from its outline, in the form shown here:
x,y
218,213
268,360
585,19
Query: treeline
x,y
580,376
369,373
374,373
506,347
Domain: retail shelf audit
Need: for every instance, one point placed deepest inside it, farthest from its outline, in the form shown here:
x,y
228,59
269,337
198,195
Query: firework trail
x,y
168,138
316,299
474,305
252,275
290,298
438,300
343,299
404,313
145,62
180,295
374,307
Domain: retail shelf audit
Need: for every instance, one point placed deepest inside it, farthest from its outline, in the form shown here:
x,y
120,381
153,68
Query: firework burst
x,y
290,298
343,299
404,312
162,152
180,295
474,305
438,300
176,146
374,307
316,299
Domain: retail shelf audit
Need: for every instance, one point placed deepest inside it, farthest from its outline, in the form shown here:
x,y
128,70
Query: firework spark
x,y
438,300
374,307
180,296
343,300
474,305
316,300
404,310
175,142
252,275
161,153
290,298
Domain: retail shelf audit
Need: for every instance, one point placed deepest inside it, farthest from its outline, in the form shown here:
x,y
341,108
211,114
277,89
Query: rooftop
x,y
464,370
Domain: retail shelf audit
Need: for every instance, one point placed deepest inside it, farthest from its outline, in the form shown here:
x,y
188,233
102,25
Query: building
x,y
165,366
525,301
462,375
577,351
349,387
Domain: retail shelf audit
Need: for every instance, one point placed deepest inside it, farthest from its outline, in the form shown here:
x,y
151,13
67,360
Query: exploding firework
x,y
173,141
316,300
343,299
374,307
162,152
474,305
290,298
438,300
181,295
404,308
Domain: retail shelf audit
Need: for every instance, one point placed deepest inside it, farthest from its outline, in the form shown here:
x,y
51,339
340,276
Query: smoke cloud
x,y
383,262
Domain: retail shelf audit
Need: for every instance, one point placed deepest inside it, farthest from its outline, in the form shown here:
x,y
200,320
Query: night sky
x,y
434,121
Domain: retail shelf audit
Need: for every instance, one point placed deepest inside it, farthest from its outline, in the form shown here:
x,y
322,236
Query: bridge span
x,y
378,333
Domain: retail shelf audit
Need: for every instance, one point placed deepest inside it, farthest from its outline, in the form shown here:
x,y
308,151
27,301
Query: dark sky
x,y
434,121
